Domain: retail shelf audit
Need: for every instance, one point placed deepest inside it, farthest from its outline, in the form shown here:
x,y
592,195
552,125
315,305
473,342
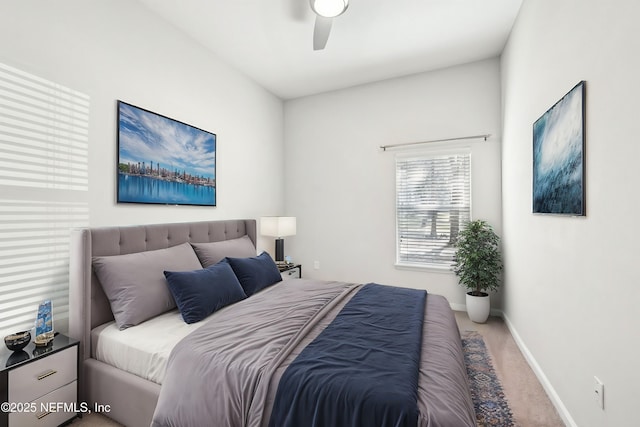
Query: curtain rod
x,y
404,144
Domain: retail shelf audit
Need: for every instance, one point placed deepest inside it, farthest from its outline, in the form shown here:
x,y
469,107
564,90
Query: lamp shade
x,y
278,226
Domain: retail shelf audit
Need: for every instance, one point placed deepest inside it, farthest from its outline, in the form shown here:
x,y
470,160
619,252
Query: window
x,y
43,194
433,199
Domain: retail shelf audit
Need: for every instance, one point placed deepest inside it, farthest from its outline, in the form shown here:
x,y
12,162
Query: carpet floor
x,y
529,403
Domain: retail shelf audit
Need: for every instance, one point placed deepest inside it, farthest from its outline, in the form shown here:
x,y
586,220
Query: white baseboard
x,y
457,307
537,370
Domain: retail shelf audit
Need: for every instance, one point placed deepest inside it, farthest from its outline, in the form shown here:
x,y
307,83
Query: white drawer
x,y
55,414
42,376
293,273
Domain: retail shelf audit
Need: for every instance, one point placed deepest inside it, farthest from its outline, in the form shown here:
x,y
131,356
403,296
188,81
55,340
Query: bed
x,y
253,362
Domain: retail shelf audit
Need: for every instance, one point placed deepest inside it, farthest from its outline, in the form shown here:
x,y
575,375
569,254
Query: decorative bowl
x,y
17,341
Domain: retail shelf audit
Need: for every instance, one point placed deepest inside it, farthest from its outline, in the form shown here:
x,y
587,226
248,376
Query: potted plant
x,y
478,265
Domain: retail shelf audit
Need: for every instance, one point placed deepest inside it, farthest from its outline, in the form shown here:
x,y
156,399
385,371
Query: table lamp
x,y
278,227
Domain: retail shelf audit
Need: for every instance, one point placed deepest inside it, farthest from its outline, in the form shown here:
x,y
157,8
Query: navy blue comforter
x,y
362,370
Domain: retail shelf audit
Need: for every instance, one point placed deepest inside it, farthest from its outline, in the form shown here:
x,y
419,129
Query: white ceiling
x,y
271,40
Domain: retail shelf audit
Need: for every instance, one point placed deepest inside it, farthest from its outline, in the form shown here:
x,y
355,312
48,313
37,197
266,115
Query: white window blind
x,y
43,194
433,199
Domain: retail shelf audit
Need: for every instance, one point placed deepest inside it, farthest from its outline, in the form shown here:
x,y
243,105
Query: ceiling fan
x,y
325,11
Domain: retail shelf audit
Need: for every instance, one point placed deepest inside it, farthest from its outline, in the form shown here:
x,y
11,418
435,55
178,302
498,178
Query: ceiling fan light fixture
x,y
329,8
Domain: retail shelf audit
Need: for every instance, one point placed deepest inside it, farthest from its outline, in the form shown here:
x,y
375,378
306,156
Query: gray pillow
x,y
214,252
135,283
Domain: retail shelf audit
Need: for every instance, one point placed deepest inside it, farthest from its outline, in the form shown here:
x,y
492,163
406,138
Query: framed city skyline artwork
x,y
163,161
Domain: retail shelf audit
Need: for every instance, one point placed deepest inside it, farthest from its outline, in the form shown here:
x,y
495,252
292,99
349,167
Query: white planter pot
x,y
478,308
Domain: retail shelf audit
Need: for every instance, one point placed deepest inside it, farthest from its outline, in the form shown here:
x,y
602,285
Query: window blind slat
x,y
433,197
44,130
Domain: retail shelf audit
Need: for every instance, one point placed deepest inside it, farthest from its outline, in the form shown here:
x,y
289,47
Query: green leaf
x,y
478,262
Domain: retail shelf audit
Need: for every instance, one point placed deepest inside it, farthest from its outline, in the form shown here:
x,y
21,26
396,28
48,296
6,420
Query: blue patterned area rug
x,y
488,397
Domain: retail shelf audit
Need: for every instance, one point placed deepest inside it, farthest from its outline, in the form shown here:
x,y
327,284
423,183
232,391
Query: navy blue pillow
x,y
255,273
201,292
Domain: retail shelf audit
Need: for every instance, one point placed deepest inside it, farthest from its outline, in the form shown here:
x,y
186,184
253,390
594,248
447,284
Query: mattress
x,y
141,350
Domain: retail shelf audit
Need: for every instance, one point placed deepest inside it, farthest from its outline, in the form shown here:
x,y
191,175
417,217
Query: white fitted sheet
x,y
142,350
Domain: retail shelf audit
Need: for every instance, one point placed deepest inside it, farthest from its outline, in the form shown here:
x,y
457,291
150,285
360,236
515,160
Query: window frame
x,y
423,154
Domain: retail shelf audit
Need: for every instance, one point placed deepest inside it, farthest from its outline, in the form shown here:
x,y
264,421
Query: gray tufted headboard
x,y
88,305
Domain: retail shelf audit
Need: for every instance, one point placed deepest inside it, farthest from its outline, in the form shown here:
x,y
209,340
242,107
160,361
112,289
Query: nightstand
x,y
39,385
290,271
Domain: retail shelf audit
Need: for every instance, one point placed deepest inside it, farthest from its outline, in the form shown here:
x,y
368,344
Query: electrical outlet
x,y
598,392
316,265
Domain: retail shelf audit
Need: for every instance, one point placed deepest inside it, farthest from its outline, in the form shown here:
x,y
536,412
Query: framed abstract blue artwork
x,y
558,156
164,161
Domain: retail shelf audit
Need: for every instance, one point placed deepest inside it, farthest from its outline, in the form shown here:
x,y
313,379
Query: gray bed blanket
x,y
226,373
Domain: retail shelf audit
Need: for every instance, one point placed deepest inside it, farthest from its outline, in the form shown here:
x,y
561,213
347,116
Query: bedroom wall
x,y
341,185
117,49
571,284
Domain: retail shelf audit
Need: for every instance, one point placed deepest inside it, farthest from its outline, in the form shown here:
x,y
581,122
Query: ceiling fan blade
x,y
321,32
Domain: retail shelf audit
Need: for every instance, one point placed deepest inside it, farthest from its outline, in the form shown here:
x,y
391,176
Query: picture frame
x,y
163,161
44,323
558,156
